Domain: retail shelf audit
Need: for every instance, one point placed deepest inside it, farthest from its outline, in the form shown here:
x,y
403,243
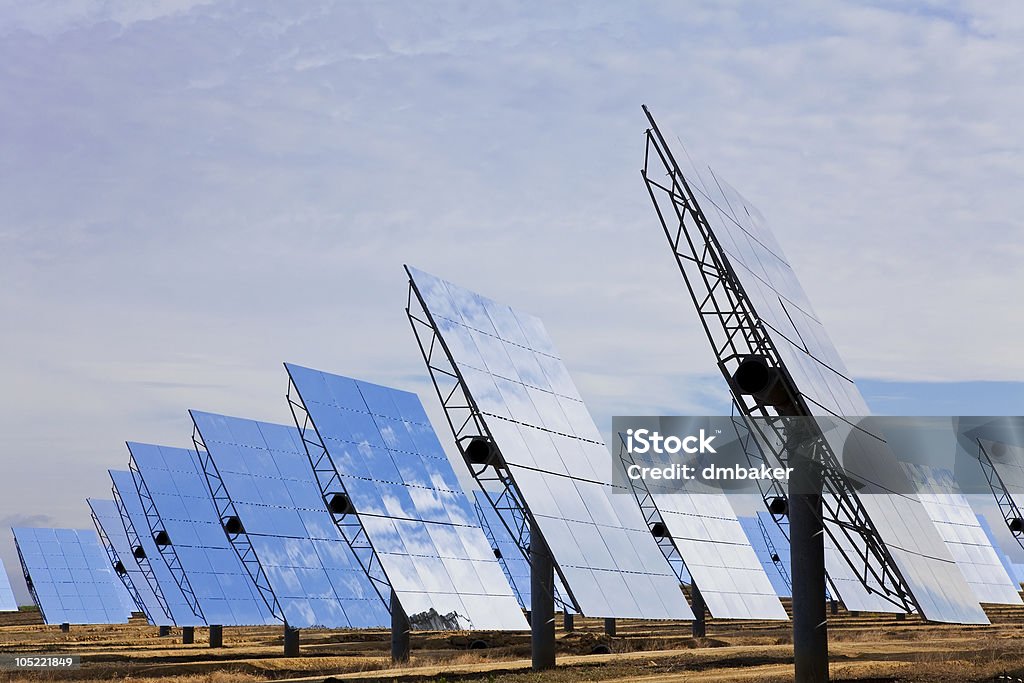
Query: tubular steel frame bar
x,y
240,542
1007,506
28,582
329,482
652,515
467,423
144,565
125,579
736,332
168,551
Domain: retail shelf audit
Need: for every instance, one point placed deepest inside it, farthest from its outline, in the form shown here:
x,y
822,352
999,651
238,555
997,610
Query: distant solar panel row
x,y
68,574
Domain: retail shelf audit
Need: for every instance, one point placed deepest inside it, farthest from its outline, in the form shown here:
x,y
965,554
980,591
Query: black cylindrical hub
x,y
216,636
340,504
233,525
659,530
1016,525
400,630
188,635
778,506
161,538
755,377
139,552
542,602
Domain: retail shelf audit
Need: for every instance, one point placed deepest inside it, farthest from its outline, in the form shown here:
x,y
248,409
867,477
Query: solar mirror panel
x,y
188,532
717,553
603,550
7,601
70,578
963,535
1004,559
513,563
114,537
824,383
263,474
175,607
775,558
384,456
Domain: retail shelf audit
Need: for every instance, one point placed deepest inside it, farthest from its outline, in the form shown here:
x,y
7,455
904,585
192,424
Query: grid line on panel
x,y
239,542
166,550
116,563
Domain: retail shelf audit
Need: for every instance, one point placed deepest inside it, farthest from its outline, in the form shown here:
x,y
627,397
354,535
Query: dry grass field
x,y
864,648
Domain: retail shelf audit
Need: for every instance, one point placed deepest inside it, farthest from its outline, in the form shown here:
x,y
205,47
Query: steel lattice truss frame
x,y
122,575
144,565
775,557
652,515
239,541
736,333
330,484
1007,506
167,551
467,424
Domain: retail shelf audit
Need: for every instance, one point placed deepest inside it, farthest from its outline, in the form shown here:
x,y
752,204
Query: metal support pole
x,y
567,622
609,626
542,602
699,611
901,616
400,628
807,553
216,636
291,641
188,635
834,604
65,627
165,631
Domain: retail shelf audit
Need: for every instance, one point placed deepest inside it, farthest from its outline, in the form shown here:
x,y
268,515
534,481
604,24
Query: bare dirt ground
x,y
867,648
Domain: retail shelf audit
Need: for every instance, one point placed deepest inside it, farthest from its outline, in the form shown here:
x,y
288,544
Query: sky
x,y
196,192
